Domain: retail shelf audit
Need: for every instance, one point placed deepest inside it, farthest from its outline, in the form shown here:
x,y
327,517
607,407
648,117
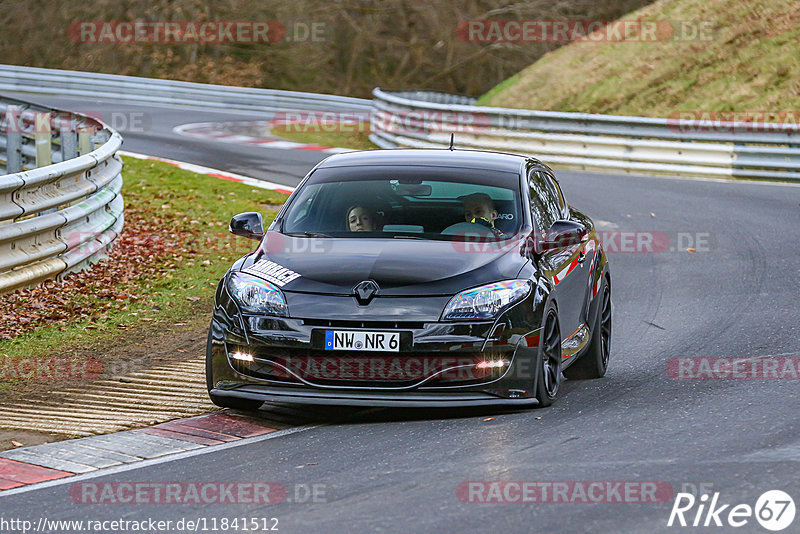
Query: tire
x,y
548,373
594,362
246,405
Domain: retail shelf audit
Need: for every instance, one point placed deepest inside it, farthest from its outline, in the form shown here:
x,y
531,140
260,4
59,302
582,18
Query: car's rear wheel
x,y
225,402
594,362
548,377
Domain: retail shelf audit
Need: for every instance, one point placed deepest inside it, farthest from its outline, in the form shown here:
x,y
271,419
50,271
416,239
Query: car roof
x,y
433,157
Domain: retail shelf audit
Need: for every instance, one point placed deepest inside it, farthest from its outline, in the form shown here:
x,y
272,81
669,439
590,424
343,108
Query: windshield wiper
x,y
407,237
307,234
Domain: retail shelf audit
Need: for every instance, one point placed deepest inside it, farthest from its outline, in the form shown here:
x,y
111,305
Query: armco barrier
x,y
111,87
607,143
60,202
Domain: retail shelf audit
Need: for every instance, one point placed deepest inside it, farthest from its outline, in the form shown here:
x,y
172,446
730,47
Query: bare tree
x,y
366,43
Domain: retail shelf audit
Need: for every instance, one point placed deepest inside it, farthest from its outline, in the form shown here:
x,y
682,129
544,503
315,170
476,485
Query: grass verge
x,y
163,271
303,133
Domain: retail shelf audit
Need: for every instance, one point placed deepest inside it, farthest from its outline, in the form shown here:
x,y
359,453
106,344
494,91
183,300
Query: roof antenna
x,y
452,136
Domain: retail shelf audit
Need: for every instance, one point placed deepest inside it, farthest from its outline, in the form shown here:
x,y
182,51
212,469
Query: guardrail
x,y
60,202
636,145
132,89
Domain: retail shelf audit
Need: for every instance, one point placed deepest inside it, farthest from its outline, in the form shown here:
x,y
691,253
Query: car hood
x,y
400,267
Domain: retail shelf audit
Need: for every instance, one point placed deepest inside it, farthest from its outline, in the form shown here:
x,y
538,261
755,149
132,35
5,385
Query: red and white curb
x,y
216,173
61,459
212,131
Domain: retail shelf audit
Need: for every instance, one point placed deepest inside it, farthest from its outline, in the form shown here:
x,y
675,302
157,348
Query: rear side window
x,y
541,203
556,192
550,196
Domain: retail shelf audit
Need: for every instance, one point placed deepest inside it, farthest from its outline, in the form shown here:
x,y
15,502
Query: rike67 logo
x,y
774,510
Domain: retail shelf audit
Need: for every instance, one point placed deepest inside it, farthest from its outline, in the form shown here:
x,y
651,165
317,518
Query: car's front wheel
x,y
594,362
225,402
548,376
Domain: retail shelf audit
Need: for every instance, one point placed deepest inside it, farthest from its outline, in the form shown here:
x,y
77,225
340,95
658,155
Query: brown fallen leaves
x,y
144,251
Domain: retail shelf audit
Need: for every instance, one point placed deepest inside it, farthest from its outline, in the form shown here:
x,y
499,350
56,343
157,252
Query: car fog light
x,y
491,364
242,356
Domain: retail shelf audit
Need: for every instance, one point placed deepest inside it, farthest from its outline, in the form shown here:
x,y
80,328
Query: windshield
x,y
424,203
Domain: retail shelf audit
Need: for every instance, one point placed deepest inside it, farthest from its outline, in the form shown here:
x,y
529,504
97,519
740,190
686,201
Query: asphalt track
x,y
388,470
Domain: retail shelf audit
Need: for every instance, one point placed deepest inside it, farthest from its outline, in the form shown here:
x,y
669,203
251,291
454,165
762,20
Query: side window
x,y
298,217
559,195
550,196
540,211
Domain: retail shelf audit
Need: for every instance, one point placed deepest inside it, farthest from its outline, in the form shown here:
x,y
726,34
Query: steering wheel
x,y
468,229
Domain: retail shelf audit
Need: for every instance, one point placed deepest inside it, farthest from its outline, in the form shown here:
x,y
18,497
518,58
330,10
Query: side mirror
x,y
248,224
564,233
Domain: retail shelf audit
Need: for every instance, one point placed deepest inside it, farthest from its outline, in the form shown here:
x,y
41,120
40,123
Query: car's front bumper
x,y
288,359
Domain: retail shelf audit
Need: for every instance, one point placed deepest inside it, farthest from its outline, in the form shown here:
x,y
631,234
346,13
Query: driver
x,y
479,208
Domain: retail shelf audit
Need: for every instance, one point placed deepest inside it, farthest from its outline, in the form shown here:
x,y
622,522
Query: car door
x,y
564,264
589,249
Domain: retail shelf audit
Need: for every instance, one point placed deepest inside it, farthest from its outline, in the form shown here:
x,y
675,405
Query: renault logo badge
x,y
365,291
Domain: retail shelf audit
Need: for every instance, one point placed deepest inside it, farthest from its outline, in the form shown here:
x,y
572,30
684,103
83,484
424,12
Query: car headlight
x,y
487,301
256,295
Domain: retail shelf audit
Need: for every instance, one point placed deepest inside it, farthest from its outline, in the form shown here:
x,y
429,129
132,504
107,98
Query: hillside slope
x,y
751,62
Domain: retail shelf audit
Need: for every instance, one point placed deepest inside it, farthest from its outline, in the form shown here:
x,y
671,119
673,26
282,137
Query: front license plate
x,y
353,340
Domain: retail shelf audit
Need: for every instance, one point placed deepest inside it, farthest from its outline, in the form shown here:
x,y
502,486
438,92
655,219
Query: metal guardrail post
x,y
13,140
44,140
69,142
84,142
99,138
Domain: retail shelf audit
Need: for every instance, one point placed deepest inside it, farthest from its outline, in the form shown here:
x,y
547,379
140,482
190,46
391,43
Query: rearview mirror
x,y
248,224
564,233
410,190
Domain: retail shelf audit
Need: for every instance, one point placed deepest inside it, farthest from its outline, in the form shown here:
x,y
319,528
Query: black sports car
x,y
413,278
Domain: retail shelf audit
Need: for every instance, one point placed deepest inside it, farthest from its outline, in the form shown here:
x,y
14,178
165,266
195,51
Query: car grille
x,y
368,369
396,325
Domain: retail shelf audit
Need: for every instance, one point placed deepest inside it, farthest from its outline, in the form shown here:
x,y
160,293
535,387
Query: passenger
x,y
362,219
